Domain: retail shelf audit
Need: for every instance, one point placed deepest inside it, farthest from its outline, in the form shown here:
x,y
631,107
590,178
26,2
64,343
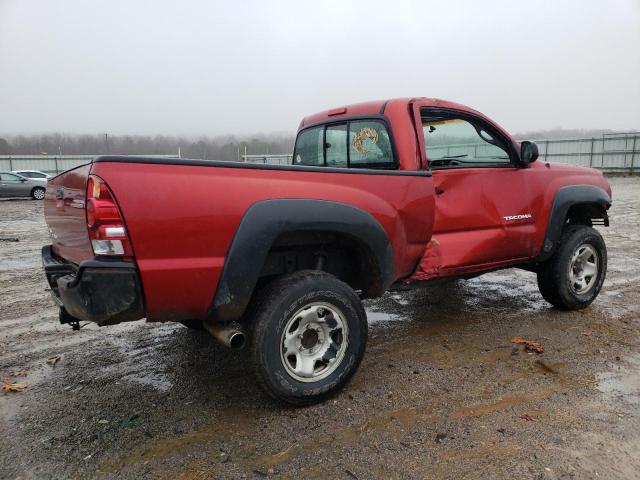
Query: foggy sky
x,y
238,67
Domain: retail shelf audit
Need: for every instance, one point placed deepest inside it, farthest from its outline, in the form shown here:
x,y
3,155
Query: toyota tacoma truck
x,y
379,195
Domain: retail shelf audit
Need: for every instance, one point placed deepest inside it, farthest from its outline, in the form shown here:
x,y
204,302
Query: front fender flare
x,y
565,198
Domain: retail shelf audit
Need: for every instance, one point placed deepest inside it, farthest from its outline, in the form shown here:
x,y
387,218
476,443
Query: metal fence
x,y
52,164
611,153
284,159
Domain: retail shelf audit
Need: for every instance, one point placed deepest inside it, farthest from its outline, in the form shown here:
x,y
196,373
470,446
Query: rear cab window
x,y
350,144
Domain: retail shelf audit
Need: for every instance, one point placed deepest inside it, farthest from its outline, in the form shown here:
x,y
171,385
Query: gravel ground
x,y
441,393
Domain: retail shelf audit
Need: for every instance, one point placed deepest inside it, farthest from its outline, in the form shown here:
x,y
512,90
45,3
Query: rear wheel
x,y
37,193
309,335
572,278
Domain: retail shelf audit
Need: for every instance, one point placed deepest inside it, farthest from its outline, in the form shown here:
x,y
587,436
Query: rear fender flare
x,y
261,225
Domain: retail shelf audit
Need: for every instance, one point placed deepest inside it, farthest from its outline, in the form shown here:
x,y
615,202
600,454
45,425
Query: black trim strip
x,y
256,166
382,108
349,118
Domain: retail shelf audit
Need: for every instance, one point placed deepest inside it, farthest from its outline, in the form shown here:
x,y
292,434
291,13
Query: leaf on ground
x,y
13,387
53,360
529,345
528,418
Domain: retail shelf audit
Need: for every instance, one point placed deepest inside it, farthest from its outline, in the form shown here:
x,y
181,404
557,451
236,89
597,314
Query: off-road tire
x,y
38,193
272,310
554,274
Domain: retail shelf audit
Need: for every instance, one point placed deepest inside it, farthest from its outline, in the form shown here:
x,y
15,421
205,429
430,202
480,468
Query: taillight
x,y
104,221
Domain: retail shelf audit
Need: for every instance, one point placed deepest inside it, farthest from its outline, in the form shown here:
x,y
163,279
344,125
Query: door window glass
x,y
456,142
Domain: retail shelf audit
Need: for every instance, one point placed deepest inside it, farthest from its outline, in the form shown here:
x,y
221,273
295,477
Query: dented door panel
x,y
483,216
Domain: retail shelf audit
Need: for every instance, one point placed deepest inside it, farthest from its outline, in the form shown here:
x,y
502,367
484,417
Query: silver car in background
x,y
37,174
14,185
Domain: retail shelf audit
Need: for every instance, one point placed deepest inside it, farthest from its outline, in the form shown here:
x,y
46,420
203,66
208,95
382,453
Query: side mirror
x,y
23,180
528,152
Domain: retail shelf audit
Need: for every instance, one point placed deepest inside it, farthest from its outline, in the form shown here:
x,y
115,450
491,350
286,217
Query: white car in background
x,y
33,175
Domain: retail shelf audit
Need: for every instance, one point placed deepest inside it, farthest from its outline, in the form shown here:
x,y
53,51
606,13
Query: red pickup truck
x,y
379,194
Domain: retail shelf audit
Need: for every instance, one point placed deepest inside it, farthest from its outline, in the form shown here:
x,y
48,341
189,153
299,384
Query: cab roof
x,y
378,107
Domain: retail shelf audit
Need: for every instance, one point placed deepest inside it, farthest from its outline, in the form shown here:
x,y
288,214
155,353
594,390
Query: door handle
x,y
439,191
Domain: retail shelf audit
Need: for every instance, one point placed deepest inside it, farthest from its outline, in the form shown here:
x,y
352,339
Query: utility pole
x,y
106,142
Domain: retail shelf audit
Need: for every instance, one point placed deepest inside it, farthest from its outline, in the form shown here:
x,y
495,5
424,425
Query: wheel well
x,y
337,253
587,214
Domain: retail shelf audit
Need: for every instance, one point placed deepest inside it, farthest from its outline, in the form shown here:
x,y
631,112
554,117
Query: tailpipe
x,y
230,335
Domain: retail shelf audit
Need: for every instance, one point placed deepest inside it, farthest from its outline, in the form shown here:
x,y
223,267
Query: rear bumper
x,y
101,291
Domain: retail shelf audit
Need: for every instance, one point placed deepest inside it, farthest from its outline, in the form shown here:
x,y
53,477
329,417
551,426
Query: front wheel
x,y
309,335
37,193
572,278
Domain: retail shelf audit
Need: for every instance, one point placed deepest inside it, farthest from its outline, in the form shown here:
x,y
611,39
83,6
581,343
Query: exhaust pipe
x,y
229,335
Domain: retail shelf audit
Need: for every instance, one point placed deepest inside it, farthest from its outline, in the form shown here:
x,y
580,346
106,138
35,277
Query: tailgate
x,y
64,212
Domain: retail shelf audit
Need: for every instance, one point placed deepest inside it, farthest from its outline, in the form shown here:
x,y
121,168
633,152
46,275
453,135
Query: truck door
x,y
483,214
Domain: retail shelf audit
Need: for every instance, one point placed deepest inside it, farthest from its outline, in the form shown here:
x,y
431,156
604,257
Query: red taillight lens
x,y
104,221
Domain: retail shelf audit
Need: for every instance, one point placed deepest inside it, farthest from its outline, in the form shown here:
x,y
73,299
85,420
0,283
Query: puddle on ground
x,y
157,381
7,264
382,318
141,360
623,383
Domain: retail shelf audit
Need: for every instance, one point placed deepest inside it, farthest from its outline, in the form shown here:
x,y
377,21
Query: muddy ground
x,y
441,393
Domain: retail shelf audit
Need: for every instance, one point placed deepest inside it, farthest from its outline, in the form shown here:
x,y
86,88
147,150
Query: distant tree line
x,y
210,148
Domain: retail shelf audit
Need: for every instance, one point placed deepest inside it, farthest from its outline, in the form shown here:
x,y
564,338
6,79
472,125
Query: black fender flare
x,y
565,198
261,225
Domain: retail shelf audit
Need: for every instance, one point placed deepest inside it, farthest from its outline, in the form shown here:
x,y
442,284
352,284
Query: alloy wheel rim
x,y
583,269
314,342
